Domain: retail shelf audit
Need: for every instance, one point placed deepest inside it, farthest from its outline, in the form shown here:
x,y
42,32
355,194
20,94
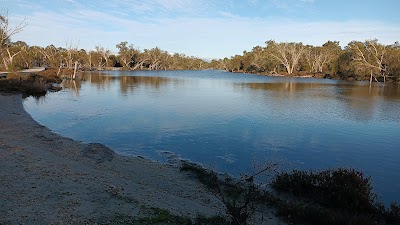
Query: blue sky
x,y
207,29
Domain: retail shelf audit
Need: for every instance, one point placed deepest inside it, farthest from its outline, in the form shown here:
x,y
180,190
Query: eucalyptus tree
x,y
175,61
199,64
288,54
71,55
257,58
7,54
52,54
102,56
154,57
96,57
369,56
224,64
30,57
83,60
318,57
235,63
392,60
128,55
11,52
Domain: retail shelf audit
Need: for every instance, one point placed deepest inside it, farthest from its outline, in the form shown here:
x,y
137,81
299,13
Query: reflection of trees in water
x,y
127,84
361,101
72,86
289,89
364,101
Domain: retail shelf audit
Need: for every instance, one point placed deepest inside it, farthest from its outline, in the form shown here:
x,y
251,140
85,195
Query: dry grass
x,y
29,84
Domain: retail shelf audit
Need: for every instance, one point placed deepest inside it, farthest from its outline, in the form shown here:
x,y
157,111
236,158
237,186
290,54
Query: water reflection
x,y
126,84
362,101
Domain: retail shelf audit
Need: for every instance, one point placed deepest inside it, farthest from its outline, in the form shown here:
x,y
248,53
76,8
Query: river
x,y
232,122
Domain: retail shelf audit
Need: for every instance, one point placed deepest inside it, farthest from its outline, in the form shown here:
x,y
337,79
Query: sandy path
x,y
46,179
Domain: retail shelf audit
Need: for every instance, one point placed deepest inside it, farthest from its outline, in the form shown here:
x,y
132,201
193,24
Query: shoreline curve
x,y
50,179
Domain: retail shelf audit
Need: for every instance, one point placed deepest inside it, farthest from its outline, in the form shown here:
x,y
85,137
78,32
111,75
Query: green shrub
x,y
339,188
392,215
333,196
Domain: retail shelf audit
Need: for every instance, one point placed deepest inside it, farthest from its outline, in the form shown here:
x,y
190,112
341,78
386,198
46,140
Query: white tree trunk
x,y
76,67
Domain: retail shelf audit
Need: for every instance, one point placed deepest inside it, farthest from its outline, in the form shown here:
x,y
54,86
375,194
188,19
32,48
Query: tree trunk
x,y
370,79
76,67
5,64
59,70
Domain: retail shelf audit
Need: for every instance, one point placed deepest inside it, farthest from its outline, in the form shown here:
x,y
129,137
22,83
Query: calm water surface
x,y
231,121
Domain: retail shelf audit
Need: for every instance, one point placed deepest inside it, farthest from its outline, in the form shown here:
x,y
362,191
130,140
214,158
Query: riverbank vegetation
x,y
329,197
35,84
367,60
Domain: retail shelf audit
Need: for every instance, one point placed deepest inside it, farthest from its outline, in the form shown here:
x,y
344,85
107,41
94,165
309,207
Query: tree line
x,y
368,60
18,55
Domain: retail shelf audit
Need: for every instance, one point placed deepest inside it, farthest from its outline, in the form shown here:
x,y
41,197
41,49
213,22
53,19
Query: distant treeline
x,y
21,55
369,60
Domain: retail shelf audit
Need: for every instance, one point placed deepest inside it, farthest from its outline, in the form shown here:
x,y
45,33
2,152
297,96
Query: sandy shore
x,y
48,179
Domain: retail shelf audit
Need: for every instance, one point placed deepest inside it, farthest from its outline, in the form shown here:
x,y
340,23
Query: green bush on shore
x,y
333,196
330,197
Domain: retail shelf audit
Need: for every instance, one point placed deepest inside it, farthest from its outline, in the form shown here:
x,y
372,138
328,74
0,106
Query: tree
x,y
52,54
11,51
127,54
369,55
319,57
288,54
71,55
235,63
28,57
6,54
154,56
258,59
101,57
392,60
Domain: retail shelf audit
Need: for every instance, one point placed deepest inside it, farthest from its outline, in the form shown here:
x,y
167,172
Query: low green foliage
x,y
330,197
340,188
334,196
392,215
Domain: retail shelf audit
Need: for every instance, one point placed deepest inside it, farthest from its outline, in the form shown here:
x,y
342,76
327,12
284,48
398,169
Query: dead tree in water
x,y
76,67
